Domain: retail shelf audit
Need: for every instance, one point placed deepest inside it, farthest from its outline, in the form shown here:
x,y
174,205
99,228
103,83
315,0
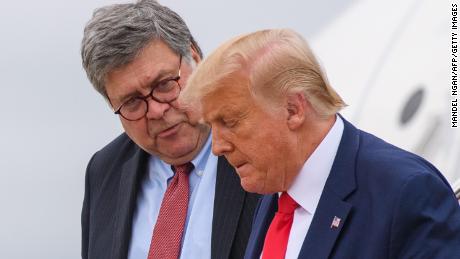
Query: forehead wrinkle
x,y
150,78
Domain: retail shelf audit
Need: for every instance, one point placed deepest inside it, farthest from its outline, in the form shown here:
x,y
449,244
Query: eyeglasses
x,y
165,91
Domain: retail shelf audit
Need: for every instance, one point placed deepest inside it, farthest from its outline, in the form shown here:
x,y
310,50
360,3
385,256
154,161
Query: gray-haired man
x,y
143,197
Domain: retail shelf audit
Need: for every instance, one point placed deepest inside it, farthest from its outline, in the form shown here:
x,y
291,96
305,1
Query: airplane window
x,y
412,106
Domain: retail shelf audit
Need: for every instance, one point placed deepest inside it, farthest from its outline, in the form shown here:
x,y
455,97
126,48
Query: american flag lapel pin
x,y
335,222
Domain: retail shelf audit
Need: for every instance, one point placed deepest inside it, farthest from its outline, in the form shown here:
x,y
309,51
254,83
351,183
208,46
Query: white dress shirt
x,y
196,241
309,184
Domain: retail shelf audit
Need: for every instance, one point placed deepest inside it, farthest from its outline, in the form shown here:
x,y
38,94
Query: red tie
x,y
167,234
276,240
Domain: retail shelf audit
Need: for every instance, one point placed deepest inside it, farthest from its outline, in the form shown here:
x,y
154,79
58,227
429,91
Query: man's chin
x,y
255,186
178,155
181,146
251,186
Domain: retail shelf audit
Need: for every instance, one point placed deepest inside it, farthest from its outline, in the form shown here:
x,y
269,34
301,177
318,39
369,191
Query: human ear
x,y
296,106
195,55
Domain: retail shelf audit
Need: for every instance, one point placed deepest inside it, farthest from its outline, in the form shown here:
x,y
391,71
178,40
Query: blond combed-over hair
x,y
275,62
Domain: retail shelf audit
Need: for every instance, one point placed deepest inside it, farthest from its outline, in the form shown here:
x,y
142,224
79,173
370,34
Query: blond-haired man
x,y
331,190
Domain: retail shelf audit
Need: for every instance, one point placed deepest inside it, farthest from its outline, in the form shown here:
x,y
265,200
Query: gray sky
x,y
53,121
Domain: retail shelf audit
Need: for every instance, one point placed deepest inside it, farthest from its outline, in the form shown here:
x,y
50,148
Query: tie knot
x,y
286,204
183,169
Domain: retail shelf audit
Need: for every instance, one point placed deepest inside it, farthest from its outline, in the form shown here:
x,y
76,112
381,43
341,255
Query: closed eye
x,y
229,123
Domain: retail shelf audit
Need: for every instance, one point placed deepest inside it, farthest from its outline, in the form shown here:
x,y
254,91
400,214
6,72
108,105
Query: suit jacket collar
x,y
321,235
263,216
228,204
341,182
131,175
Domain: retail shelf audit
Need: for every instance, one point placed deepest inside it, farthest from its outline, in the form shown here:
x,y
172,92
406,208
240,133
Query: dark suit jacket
x,y
392,204
112,182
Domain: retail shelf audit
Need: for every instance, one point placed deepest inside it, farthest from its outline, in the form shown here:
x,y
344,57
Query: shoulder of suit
x,y
376,156
116,152
120,144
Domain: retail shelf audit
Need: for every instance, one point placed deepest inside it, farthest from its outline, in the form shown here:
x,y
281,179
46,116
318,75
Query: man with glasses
x,y
156,191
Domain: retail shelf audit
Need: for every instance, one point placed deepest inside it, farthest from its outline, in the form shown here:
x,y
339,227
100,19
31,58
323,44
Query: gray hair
x,y
116,34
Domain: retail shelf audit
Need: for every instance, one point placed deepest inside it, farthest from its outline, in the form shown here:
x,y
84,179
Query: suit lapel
x,y
131,173
228,203
323,233
264,214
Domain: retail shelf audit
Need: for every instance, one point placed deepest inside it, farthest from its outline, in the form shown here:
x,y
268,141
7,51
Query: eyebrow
x,y
227,112
162,75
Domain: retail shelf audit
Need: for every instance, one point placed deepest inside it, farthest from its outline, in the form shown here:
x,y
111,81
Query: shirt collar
x,y
200,160
309,184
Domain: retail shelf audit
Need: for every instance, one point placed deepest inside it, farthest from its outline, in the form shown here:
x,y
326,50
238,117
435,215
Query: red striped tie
x,y
167,234
276,240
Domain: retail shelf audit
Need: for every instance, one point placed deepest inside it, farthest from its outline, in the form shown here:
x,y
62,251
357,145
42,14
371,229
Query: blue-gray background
x,y
376,54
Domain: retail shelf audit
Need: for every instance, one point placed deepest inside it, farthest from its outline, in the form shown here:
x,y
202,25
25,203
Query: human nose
x,y
155,110
220,145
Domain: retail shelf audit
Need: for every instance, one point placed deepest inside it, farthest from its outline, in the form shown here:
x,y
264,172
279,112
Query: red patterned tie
x,y
276,240
167,234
